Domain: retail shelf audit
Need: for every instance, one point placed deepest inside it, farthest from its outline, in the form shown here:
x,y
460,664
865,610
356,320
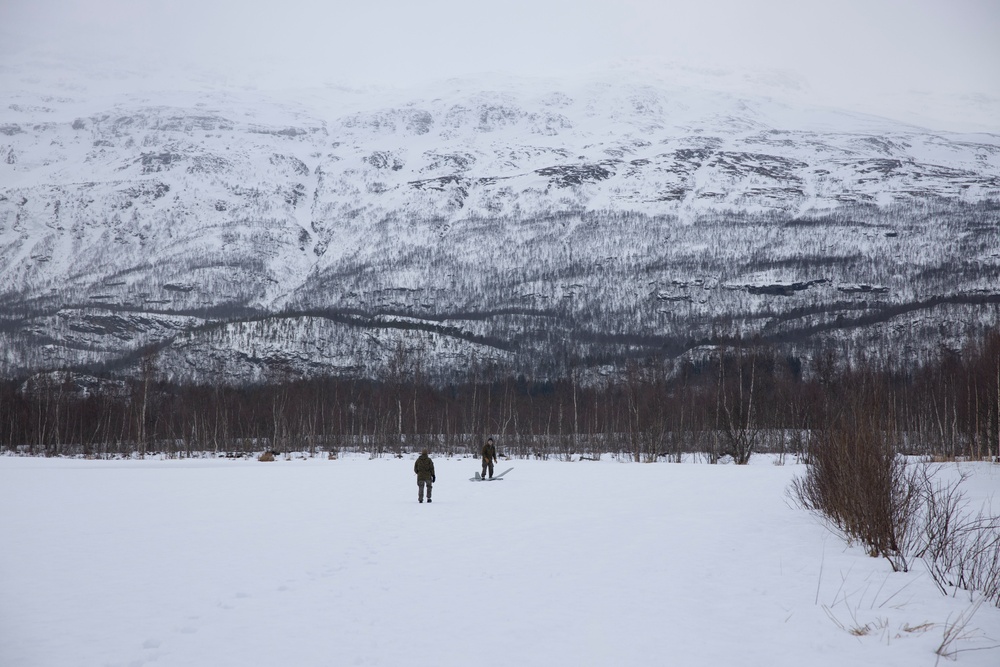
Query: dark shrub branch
x,y
859,483
869,493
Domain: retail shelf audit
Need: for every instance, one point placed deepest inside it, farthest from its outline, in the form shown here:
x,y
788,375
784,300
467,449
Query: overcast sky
x,y
847,50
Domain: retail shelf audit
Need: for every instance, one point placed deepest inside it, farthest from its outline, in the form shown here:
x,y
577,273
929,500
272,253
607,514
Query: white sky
x,y
849,51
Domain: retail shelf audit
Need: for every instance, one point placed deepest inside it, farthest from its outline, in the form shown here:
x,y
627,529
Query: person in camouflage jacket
x,y
489,458
424,468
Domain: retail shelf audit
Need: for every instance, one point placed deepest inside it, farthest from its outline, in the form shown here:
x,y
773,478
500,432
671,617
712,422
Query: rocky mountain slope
x,y
251,235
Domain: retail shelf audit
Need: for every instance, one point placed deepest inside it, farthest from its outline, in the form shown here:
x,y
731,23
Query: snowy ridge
x,y
207,203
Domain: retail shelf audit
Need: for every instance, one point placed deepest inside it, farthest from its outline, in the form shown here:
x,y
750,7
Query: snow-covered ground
x,y
319,562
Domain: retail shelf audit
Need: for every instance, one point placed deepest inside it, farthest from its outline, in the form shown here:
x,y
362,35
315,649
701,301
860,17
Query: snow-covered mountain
x,y
243,232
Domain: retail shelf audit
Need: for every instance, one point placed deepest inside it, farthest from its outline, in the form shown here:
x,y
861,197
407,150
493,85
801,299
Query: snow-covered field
x,y
319,562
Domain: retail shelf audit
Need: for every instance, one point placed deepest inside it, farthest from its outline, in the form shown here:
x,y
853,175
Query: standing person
x,y
424,468
489,458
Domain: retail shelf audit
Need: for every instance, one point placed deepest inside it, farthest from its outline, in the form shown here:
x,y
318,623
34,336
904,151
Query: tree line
x,y
728,402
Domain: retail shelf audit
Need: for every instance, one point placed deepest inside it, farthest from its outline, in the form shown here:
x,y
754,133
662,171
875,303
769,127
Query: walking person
x,y
489,457
424,468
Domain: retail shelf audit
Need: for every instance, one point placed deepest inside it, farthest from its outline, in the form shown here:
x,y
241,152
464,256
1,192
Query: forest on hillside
x,y
538,296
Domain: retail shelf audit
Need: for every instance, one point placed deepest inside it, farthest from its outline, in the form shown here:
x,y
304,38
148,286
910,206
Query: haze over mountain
x,y
936,64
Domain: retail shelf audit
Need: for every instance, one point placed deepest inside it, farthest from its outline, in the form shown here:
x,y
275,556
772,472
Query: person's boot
x,y
428,500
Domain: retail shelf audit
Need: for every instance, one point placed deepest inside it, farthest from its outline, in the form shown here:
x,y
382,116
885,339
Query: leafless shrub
x,y
899,511
961,548
860,484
